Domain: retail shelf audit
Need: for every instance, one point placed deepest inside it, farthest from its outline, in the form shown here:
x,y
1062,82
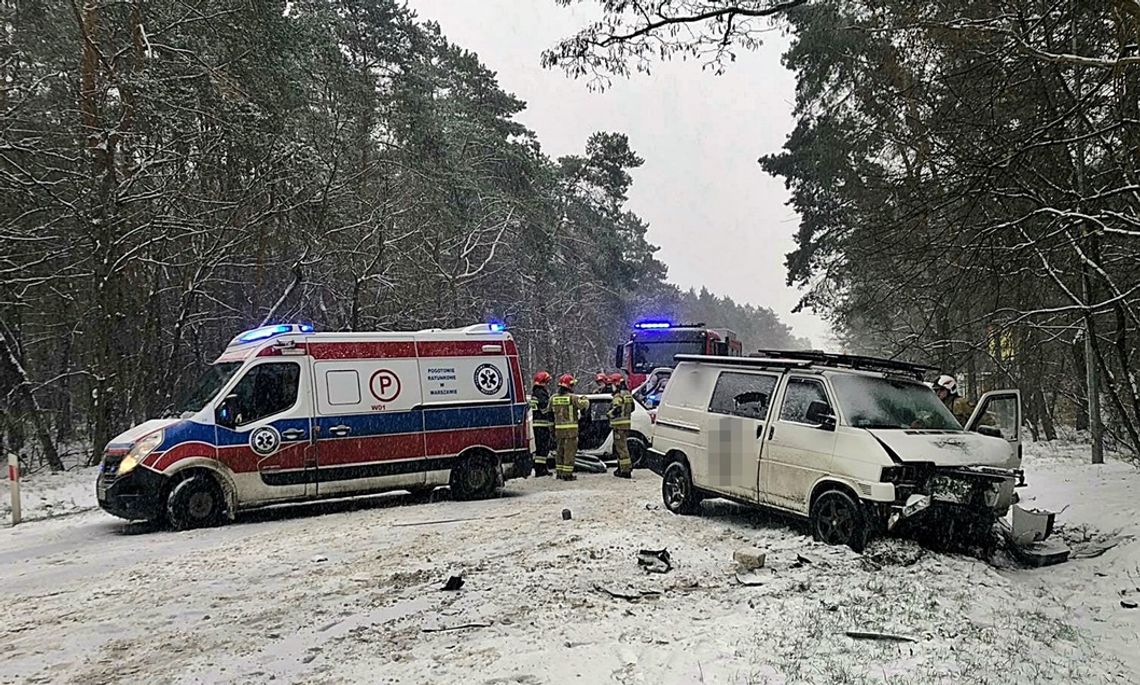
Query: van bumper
x,y
133,496
655,461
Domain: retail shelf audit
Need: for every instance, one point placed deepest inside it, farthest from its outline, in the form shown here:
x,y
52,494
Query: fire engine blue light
x,y
497,326
264,332
652,325
306,328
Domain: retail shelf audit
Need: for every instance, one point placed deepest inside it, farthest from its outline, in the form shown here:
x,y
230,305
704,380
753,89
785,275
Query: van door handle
x,y
759,431
293,434
340,431
771,432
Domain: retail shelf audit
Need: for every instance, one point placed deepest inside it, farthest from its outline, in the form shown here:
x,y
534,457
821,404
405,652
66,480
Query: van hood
x,y
947,448
124,440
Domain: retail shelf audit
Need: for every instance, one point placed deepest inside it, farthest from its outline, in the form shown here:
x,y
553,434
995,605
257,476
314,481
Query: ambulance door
x,y
263,430
469,402
370,421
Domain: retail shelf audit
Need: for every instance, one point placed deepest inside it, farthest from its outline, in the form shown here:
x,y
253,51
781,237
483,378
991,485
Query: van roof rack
x,y
847,361
764,362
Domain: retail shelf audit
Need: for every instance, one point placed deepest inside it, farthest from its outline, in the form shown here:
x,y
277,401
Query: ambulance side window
x,y
265,390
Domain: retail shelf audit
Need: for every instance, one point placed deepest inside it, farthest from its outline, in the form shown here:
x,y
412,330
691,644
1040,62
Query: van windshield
x,y
205,388
869,402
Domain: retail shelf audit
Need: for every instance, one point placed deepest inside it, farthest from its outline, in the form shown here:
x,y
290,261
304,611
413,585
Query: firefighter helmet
x,y
615,378
541,378
947,383
566,381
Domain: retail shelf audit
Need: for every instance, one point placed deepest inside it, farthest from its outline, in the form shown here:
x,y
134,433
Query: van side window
x,y
798,397
743,394
266,390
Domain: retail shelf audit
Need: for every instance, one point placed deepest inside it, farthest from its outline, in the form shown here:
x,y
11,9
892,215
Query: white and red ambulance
x,y
286,414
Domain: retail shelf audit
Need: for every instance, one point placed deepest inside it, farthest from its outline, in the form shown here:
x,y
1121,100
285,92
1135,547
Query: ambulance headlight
x,y
138,452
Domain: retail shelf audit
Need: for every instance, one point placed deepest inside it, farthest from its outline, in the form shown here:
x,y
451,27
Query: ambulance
x,y
286,414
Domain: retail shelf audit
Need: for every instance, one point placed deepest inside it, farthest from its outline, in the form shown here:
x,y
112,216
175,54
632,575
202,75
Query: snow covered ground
x,y
352,594
48,494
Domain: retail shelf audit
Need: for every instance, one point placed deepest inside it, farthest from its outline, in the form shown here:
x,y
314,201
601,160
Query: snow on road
x,y
352,594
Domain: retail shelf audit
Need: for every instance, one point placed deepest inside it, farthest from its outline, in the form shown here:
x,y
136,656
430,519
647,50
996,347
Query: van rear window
x,y
743,394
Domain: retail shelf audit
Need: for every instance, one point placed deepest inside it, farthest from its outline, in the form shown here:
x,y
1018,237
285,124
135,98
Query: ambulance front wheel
x,y
476,477
196,501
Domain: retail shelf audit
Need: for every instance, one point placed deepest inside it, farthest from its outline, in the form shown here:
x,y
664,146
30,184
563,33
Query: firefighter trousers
x,y
567,449
543,444
621,450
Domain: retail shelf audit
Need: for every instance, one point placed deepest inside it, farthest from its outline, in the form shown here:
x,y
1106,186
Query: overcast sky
x,y
720,221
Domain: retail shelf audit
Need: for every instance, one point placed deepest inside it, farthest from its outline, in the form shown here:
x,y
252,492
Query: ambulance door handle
x,y
293,434
340,431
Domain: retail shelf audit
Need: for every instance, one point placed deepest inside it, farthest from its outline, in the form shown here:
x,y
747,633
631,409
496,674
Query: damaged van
x,y
858,445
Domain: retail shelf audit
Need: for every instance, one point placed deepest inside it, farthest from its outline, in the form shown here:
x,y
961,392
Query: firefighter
x,y
951,395
566,407
543,421
620,412
602,383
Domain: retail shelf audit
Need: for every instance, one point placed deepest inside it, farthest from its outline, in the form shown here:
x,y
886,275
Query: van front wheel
x,y
677,490
836,519
194,502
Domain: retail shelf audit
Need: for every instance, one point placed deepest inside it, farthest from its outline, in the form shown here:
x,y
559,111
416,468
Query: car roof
x,y
903,371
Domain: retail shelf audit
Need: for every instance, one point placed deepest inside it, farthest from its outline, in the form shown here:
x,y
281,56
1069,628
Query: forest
x,y
965,175
172,173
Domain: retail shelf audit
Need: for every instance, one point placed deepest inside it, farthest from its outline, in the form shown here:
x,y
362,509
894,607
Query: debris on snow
x,y
319,558
655,561
893,552
749,558
566,515
463,626
631,595
885,637
453,583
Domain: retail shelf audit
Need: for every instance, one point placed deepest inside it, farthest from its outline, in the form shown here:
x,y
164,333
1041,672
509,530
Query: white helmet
x,y
948,382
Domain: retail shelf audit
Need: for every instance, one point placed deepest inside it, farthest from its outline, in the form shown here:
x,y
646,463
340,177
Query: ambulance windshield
x,y
205,388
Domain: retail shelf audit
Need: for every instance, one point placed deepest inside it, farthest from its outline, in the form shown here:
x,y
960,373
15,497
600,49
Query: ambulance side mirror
x,y
226,414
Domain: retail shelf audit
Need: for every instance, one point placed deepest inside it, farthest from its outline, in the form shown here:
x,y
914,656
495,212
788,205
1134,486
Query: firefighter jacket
x,y
567,407
621,409
541,415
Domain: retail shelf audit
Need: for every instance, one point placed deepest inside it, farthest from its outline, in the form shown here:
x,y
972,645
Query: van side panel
x,y
682,417
472,399
369,423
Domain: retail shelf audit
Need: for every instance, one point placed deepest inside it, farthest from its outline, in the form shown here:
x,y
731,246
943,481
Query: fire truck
x,y
653,344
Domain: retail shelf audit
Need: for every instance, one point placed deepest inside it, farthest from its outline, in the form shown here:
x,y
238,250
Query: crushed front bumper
x,y
134,496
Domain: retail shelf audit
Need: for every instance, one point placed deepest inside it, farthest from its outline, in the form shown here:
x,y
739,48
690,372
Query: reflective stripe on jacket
x,y
621,410
566,407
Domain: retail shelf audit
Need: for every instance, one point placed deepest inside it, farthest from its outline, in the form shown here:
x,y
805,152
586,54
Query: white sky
x,y
720,221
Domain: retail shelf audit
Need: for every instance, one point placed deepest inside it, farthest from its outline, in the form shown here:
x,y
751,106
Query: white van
x,y
286,414
856,444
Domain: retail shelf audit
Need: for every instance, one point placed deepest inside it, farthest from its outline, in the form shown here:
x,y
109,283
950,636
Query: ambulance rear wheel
x,y
194,502
476,478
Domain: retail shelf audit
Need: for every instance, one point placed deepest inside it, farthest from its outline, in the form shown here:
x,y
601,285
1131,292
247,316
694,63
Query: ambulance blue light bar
x,y
652,325
266,332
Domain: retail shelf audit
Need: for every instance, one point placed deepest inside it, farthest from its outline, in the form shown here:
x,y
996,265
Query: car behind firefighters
x,y
286,414
855,444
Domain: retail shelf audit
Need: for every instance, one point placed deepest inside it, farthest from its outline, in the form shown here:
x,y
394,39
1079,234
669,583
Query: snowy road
x,y
353,595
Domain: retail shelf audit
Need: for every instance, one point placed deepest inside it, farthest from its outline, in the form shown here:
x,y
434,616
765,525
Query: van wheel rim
x,y
836,523
200,505
477,479
678,491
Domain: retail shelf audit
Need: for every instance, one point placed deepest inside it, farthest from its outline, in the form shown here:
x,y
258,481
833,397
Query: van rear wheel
x,y
476,478
195,502
677,490
837,519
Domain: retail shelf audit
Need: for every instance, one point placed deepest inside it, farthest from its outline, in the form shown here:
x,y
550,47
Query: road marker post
x,y
14,486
